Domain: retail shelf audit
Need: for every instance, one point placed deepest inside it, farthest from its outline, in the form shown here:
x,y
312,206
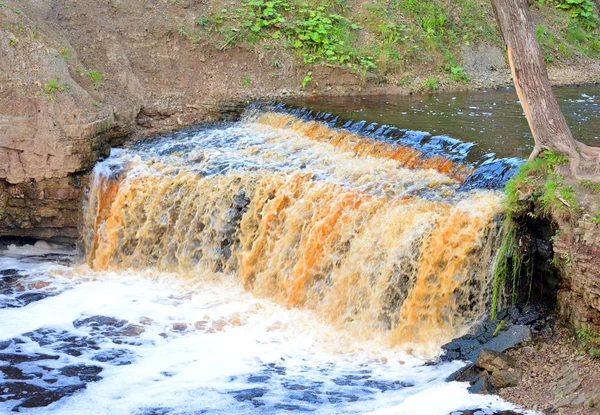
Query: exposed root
x,y
588,163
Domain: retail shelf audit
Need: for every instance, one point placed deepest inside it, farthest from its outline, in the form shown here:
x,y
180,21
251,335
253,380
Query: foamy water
x,y
148,342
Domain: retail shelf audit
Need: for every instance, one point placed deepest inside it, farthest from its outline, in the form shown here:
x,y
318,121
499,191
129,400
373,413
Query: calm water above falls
x,y
493,120
266,266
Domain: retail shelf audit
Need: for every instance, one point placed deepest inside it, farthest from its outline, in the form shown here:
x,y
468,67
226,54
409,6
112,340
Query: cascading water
x,y
373,236
269,265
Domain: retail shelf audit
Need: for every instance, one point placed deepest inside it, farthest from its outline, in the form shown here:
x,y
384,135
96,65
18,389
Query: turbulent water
x,y
270,265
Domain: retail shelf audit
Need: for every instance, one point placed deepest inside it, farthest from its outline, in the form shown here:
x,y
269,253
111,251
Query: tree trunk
x,y
546,121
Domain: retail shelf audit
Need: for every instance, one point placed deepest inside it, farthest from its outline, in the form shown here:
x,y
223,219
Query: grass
x,y
386,37
589,342
537,190
64,53
52,86
96,76
431,83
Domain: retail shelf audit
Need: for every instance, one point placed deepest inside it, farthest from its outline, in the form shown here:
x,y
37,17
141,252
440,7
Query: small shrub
x,y
247,81
431,83
64,52
589,342
53,86
307,79
459,75
96,76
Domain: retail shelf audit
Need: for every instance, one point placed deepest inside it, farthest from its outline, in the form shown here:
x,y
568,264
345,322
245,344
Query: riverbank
x,y
558,376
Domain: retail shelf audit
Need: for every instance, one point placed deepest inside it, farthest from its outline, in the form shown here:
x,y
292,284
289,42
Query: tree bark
x,y
546,121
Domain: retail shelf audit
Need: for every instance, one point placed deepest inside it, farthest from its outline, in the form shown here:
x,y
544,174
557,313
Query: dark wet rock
x,y
529,316
306,396
301,387
482,384
179,327
18,390
9,272
288,407
349,380
110,327
464,374
515,314
258,378
273,367
48,396
513,336
337,397
21,300
63,341
97,322
16,373
467,347
117,357
16,358
154,411
85,373
501,367
385,386
250,395
483,412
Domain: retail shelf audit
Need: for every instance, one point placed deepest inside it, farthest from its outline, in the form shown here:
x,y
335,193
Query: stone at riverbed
x,y
502,368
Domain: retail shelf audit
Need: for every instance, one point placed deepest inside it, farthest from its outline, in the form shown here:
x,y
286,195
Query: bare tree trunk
x,y
546,121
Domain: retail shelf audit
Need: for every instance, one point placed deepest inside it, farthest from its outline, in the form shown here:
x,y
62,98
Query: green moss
x,y
537,190
593,186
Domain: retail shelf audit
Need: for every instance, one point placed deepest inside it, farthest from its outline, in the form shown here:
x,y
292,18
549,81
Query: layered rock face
x,y
579,251
75,75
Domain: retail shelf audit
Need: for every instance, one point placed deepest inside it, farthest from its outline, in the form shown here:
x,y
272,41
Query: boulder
x,y
501,367
513,336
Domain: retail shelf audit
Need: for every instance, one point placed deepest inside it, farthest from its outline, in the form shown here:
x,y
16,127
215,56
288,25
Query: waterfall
x,y
377,238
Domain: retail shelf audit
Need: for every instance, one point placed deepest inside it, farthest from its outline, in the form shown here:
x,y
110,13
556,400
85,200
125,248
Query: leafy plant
x,y
459,75
64,52
580,9
96,76
307,79
52,86
247,81
431,83
589,342
596,217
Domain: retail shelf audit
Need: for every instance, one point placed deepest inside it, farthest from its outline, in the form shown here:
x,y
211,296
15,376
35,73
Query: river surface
x,y
273,265
493,120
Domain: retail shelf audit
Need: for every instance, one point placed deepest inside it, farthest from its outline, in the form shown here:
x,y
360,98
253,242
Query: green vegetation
x,y
583,10
538,190
387,37
431,83
316,31
307,79
96,76
589,342
64,52
458,74
596,217
53,86
247,81
588,184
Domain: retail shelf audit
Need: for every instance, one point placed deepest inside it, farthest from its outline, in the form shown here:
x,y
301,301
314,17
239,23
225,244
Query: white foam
x,y
205,368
